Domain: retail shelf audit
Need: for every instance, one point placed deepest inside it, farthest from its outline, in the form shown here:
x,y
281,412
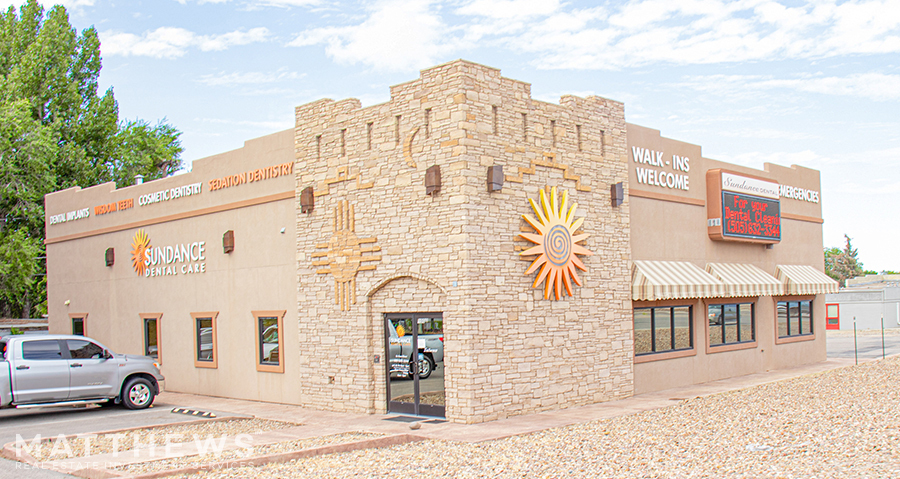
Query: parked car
x,y
59,370
430,352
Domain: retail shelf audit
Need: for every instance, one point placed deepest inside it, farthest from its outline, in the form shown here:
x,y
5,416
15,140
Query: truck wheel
x,y
138,394
426,367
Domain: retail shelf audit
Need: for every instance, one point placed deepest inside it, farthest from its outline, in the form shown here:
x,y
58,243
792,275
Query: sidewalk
x,y
345,422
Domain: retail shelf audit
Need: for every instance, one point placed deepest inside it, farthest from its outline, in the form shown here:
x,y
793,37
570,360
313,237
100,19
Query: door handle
x,y
22,367
75,365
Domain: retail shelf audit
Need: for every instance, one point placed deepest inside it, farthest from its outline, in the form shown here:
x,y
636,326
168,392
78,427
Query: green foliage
x,y
56,132
15,331
843,264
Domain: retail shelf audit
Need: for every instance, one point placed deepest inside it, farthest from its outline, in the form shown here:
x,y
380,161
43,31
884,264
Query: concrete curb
x,y
276,458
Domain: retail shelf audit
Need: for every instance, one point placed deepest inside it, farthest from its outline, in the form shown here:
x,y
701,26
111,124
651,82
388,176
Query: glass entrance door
x,y
415,363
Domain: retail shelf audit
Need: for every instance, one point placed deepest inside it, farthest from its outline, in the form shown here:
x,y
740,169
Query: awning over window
x,y
745,280
802,279
655,280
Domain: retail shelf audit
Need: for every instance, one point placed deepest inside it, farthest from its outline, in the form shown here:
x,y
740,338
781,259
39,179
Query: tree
x,y
56,132
843,264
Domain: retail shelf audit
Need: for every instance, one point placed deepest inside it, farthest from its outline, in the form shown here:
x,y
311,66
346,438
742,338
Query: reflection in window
x,y
794,318
151,337
268,341
731,323
41,350
79,349
663,329
205,350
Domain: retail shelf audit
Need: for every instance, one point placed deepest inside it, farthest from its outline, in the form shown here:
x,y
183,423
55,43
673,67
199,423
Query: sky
x,y
808,82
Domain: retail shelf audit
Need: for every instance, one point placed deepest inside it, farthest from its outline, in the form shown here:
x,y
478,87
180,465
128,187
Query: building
x,y
549,255
864,303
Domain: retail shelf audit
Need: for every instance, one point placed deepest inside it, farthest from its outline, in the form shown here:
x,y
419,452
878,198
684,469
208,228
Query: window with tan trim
x,y
730,324
663,329
794,319
150,323
269,341
79,321
205,353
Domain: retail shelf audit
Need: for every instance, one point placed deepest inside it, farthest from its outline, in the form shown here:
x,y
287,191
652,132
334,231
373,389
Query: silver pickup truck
x,y
59,370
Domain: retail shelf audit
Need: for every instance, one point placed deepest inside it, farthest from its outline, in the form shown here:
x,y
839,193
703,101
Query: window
x,y
78,323
269,344
205,354
663,329
794,318
731,324
151,335
41,350
82,349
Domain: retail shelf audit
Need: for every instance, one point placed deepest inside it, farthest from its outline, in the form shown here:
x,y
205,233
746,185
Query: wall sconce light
x,y
495,178
616,194
110,256
228,241
307,200
433,180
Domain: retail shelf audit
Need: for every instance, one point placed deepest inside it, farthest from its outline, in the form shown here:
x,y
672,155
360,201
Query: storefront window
x,y
151,335
731,323
205,354
794,318
662,329
78,326
269,345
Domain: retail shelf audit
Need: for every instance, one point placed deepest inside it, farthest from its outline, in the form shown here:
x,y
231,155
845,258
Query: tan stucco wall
x,y
665,227
258,275
508,351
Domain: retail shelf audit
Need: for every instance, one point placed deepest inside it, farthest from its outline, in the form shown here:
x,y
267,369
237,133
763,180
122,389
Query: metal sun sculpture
x,y
556,244
139,246
344,255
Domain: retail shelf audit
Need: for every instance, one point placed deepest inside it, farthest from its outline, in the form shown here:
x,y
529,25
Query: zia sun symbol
x,y
139,246
556,244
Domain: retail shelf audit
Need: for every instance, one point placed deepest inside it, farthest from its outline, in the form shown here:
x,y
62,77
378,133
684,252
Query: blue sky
x,y
808,82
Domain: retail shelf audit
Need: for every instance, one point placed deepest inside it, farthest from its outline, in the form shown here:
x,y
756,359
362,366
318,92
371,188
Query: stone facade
x,y
376,243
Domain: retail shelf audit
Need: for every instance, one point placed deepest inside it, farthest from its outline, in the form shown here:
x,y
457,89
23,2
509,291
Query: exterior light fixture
x,y
616,194
110,256
228,242
307,200
433,180
495,178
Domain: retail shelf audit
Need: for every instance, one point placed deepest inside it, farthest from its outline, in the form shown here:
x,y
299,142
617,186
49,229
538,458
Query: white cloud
x,y
171,42
874,86
396,34
506,9
251,78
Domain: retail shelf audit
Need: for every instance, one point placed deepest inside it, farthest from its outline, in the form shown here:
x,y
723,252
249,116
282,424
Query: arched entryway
x,y
409,311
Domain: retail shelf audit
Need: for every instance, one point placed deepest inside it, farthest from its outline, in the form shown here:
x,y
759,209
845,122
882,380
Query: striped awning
x,y
803,279
745,280
655,280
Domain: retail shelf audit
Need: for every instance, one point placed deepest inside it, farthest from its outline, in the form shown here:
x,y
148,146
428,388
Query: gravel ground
x,y
840,423
276,448
105,443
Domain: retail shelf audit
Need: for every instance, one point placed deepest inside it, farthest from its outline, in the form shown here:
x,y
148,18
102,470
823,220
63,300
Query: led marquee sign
x,y
742,208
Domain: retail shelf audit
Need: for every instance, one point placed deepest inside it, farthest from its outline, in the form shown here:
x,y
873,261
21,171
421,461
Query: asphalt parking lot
x,y
867,345
51,422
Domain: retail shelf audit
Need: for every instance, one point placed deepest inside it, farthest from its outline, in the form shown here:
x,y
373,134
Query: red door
x,y
832,316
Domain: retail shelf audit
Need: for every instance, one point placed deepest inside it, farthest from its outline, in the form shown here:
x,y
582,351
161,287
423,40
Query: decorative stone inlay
x,y
344,173
548,161
344,255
